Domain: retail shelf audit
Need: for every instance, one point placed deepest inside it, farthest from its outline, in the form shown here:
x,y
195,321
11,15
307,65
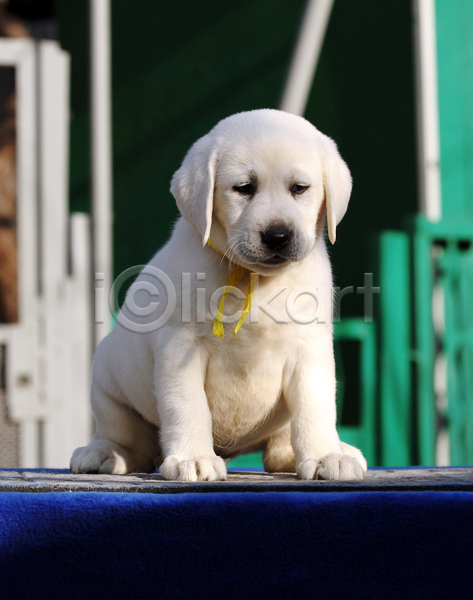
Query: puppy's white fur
x,y
177,397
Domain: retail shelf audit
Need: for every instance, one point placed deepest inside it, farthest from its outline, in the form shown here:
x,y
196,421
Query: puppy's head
x,y
265,177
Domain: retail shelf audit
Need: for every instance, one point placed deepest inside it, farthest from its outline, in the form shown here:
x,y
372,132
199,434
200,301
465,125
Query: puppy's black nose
x,y
276,237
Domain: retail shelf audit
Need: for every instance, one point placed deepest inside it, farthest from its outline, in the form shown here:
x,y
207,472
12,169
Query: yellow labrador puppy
x,y
200,376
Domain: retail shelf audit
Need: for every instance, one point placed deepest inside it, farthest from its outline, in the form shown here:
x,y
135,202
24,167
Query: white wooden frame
x,y
19,338
49,350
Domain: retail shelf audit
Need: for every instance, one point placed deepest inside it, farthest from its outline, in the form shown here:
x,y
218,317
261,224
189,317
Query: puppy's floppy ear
x,y
337,184
193,186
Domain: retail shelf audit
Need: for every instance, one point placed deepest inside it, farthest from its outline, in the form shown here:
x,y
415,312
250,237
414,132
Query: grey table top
x,y
410,479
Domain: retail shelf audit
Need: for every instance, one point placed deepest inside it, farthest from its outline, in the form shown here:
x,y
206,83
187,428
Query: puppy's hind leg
x,y
123,442
278,455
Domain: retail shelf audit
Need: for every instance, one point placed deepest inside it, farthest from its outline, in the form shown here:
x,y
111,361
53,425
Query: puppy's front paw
x,y
103,456
333,467
202,468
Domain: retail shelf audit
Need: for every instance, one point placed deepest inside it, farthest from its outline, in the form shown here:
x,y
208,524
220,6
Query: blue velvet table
x,y
398,534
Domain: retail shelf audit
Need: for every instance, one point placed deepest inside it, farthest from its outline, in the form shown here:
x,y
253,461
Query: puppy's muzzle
x,y
276,237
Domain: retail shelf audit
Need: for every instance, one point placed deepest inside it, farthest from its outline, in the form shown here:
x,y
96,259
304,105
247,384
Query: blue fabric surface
x,y
237,545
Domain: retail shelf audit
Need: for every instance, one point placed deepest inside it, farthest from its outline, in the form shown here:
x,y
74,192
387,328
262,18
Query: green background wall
x,y
179,67
455,82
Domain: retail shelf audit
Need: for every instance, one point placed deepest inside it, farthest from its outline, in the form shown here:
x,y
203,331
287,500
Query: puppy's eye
x,y
245,189
299,188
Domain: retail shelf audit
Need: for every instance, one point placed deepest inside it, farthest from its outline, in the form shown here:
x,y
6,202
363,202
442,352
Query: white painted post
x,y
428,137
306,55
53,94
79,333
430,187
102,209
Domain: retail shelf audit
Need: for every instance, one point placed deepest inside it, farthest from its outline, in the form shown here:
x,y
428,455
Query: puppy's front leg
x,y
186,422
310,394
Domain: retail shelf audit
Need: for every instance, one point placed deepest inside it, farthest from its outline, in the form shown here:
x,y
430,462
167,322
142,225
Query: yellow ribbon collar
x,y
233,279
